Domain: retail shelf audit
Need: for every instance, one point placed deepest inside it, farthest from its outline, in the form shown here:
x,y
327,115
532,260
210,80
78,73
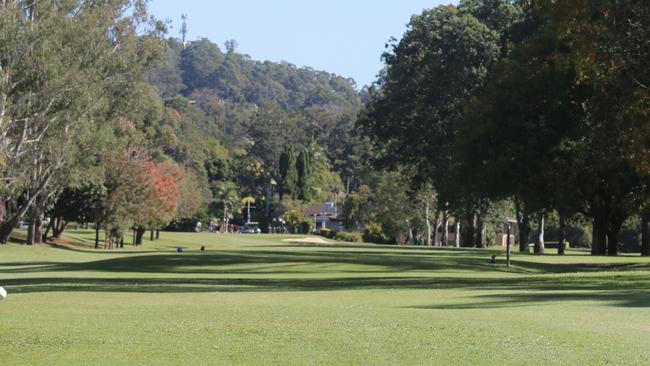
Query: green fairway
x,y
259,300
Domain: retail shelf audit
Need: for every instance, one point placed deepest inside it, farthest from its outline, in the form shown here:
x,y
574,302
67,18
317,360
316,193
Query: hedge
x,y
349,237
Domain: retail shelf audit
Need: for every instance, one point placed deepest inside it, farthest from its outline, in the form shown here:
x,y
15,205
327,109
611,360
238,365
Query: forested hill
x,y
202,70
236,121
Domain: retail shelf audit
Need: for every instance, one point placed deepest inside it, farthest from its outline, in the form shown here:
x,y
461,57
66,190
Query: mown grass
x,y
259,300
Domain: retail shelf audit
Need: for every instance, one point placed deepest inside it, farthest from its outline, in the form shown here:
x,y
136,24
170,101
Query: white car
x,y
249,230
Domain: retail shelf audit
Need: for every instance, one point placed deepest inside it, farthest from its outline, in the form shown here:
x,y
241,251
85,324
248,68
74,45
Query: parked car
x,y
249,230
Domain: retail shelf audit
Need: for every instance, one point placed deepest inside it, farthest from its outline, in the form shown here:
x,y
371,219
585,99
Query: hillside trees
x,y
234,77
199,63
252,113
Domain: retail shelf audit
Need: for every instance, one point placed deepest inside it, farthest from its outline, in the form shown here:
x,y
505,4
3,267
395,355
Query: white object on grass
x,y
3,293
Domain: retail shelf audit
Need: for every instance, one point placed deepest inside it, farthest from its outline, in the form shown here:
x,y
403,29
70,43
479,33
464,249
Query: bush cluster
x,y
328,233
350,237
374,233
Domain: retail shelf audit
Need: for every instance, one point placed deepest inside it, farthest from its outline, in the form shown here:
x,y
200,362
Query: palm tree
x,y
248,201
227,194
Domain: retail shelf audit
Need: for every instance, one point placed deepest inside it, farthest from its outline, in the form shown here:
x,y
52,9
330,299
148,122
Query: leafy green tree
x,y
68,68
199,63
431,72
443,60
288,173
357,208
303,170
564,125
165,75
294,219
392,207
73,204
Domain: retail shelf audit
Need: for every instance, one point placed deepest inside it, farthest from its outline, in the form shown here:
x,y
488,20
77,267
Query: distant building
x,y
502,239
325,216
451,235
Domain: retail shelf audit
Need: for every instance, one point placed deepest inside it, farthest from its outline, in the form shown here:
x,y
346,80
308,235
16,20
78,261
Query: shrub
x,y
375,234
349,237
579,236
306,226
294,219
328,233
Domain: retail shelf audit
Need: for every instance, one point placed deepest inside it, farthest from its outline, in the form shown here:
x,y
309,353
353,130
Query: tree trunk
x,y
599,230
30,234
38,229
3,209
524,233
539,241
598,237
612,243
11,220
594,235
645,233
427,221
457,233
612,237
562,243
52,226
411,238
469,233
34,232
59,227
480,231
139,233
49,227
62,226
224,222
97,235
157,234
445,228
523,226
151,235
436,228
6,228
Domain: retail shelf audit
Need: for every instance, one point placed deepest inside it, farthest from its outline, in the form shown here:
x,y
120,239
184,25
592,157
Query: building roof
x,y
326,209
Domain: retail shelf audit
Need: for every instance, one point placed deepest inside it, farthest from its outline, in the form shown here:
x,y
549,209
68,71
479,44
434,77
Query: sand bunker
x,y
308,240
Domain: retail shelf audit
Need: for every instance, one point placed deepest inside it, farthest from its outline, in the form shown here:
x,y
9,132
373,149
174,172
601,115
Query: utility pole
x,y
184,28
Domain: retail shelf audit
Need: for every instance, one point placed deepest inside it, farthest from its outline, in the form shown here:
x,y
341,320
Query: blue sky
x,y
346,37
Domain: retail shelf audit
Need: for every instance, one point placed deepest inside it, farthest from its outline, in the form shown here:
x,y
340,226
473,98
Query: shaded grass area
x,y
635,293
258,300
269,266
